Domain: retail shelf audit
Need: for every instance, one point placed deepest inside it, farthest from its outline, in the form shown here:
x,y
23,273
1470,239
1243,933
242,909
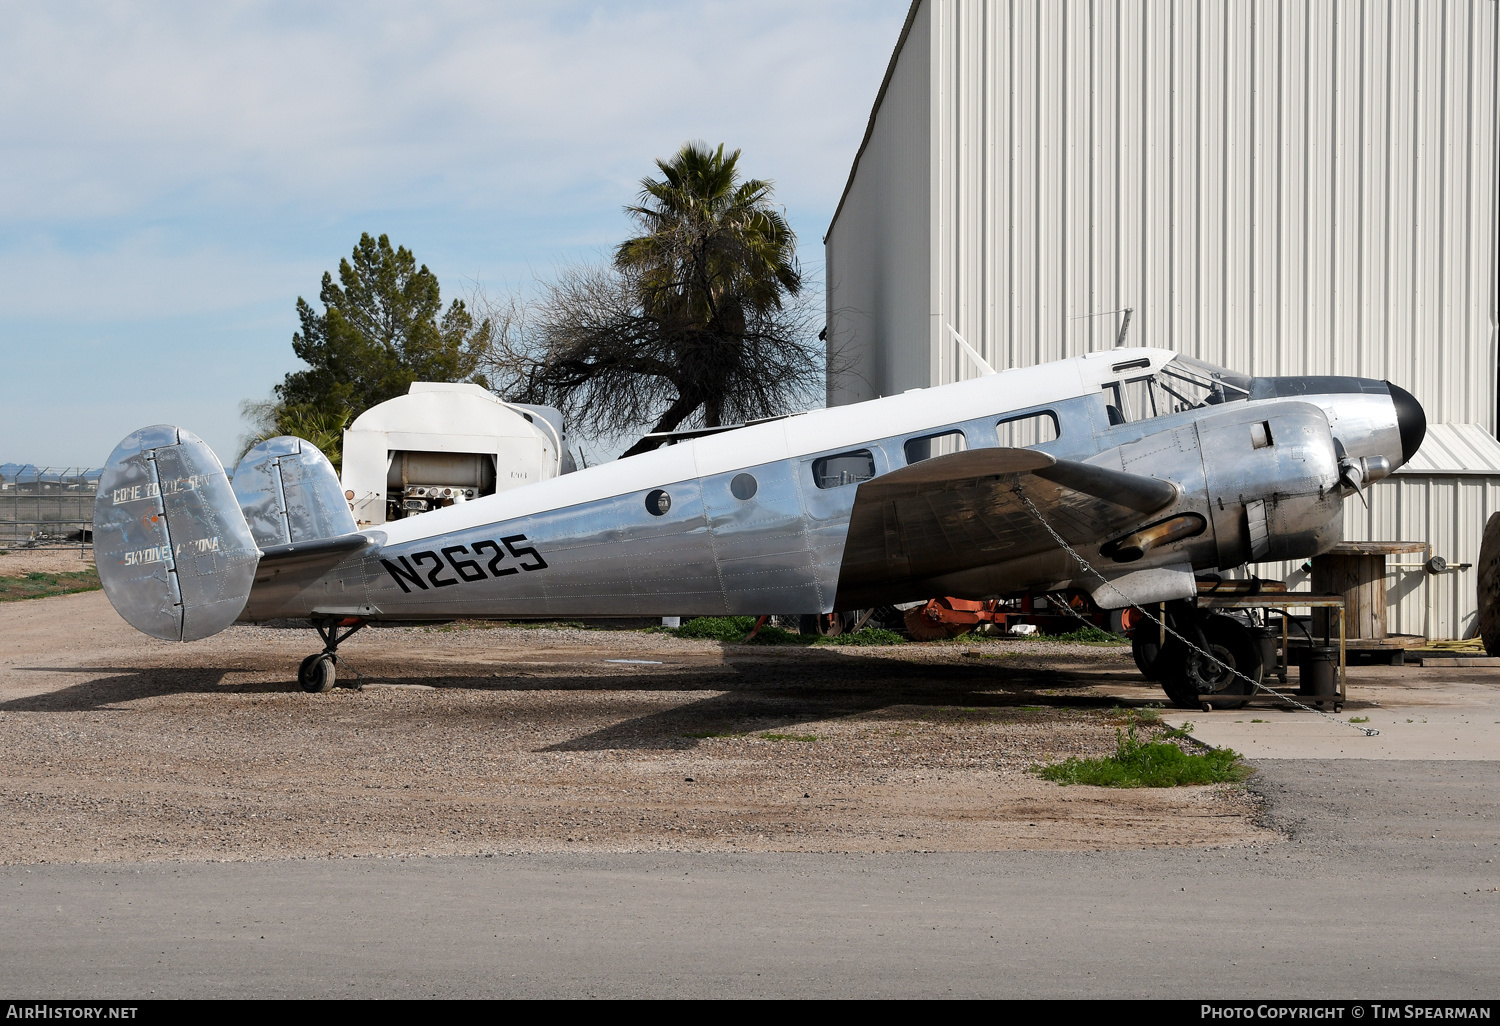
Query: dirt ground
x,y
18,562
468,739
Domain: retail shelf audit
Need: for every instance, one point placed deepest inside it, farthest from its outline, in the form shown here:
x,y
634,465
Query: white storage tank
x,y
442,444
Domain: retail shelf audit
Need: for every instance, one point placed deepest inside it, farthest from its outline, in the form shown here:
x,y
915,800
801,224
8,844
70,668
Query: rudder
x,y
289,492
174,553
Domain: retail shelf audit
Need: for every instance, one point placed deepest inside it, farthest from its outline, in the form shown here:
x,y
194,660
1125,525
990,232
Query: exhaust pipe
x,y
1133,546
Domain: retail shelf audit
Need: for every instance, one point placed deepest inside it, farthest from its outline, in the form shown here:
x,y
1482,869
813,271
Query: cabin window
x,y
1137,399
940,444
844,468
1030,429
658,503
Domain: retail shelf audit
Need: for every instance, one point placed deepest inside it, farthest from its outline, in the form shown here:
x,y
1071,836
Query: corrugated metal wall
x,y
1281,187
1446,511
1285,188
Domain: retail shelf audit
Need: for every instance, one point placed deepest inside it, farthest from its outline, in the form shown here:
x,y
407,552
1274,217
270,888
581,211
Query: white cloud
x,y
170,173
112,112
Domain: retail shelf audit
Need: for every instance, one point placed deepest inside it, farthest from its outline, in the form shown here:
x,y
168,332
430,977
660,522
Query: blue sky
x,y
174,176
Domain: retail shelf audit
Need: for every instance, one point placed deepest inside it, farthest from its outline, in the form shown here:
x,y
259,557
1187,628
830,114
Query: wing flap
x,y
962,511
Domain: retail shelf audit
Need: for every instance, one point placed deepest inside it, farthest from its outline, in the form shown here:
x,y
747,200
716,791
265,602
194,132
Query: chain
x,y
344,661
1257,685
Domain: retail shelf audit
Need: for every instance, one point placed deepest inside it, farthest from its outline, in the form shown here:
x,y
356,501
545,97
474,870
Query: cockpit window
x,y
1182,384
1194,383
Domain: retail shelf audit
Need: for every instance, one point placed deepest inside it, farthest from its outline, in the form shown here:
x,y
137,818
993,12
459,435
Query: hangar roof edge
x,y
1456,449
890,69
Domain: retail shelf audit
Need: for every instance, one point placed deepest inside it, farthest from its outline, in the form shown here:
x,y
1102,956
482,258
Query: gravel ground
x,y
470,739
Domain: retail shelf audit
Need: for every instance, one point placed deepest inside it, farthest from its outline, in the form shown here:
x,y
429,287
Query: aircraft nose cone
x,y
1410,418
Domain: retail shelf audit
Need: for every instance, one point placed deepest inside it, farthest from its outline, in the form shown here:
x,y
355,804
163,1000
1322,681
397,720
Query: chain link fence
x,y
47,507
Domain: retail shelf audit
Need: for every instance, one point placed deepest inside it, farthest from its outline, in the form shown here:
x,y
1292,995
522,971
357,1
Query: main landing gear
x,y
317,673
1190,678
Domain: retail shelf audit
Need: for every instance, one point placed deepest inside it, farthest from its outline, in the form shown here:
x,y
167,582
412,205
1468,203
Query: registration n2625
x,y
463,564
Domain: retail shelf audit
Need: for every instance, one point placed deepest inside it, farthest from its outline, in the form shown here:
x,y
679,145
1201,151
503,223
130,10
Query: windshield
x,y
1183,383
1194,383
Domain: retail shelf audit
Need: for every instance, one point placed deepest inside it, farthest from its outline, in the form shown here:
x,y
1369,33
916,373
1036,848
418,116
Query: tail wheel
x,y
317,675
1190,678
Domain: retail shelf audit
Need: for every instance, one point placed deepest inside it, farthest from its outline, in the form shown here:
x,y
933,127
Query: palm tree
x,y
691,317
715,256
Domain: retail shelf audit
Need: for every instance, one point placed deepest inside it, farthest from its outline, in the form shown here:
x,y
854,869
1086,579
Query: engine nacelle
x,y
1274,482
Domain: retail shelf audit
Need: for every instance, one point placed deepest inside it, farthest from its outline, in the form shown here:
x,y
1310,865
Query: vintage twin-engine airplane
x,y
1150,465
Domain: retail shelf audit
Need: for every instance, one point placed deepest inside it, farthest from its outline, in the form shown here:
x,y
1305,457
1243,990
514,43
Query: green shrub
x,y
733,629
1089,634
1151,764
866,636
717,628
36,584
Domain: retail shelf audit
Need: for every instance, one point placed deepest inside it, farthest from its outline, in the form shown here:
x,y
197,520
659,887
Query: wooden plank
x,y
1449,660
1376,548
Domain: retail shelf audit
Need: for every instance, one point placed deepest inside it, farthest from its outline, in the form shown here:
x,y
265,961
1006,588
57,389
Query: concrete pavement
x,y
1388,887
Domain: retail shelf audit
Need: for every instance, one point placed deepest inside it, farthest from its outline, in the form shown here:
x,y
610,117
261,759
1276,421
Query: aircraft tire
x,y
1179,692
317,674
1190,680
1146,650
1489,585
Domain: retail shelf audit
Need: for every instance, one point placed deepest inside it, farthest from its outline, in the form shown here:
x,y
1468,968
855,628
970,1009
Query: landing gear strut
x,y
1190,677
317,673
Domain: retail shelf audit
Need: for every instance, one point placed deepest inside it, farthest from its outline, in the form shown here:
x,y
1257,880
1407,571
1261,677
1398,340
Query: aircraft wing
x,y
960,512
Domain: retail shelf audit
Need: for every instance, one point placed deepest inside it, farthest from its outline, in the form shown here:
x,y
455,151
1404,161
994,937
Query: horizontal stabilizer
x,y
320,552
175,555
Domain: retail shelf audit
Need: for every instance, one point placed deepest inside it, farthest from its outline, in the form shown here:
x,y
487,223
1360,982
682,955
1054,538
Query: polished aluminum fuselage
x,y
598,542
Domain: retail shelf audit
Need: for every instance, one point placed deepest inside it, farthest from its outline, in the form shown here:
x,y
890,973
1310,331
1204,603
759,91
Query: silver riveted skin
x,y
289,492
175,556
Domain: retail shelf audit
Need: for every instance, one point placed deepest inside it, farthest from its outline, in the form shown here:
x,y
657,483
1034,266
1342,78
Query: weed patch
x,y
43,585
788,737
1088,636
1085,635
734,629
716,628
865,636
1149,715
1147,764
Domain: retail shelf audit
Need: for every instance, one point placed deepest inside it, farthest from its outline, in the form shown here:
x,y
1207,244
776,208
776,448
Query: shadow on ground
x,y
749,694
